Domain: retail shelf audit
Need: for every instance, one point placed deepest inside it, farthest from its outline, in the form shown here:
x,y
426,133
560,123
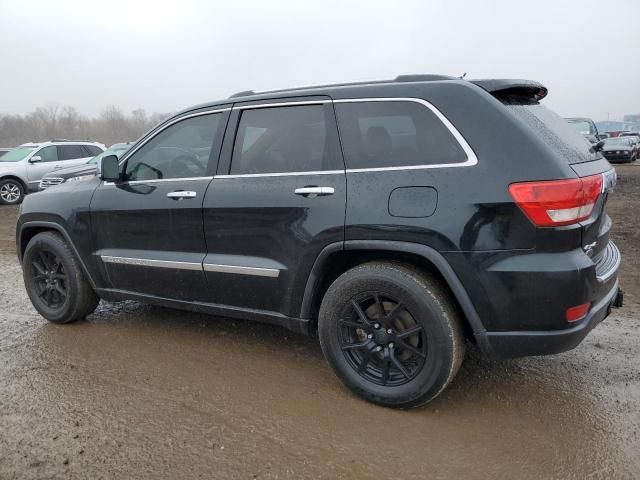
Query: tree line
x,y
111,126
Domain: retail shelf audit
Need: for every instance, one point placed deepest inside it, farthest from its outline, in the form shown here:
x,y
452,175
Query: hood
x,y
84,169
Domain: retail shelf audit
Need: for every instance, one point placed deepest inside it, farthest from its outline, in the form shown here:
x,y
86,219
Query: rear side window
x,y
554,131
394,134
92,150
282,140
69,152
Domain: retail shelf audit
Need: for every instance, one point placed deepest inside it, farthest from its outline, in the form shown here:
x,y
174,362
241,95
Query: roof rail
x,y
422,78
244,93
399,78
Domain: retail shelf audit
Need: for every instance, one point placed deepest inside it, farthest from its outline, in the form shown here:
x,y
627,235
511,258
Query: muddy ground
x,y
144,392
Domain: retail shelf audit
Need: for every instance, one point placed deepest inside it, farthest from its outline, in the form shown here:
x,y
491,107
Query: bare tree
x,y
54,122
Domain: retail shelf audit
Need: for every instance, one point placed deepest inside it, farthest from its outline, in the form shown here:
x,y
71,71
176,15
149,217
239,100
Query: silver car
x,y
22,168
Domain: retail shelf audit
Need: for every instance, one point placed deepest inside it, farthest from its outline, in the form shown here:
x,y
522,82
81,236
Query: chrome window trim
x,y
281,174
256,271
143,262
129,153
472,159
281,104
161,180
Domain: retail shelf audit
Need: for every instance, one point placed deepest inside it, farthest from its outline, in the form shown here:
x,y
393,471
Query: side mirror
x,y
109,168
35,159
598,146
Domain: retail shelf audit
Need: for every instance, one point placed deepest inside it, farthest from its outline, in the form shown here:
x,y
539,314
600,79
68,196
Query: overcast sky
x,y
167,55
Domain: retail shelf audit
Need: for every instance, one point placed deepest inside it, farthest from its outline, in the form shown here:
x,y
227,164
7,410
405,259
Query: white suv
x,y
22,168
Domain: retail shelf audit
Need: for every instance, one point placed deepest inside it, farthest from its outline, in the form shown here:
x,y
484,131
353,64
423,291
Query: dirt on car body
x,y
144,392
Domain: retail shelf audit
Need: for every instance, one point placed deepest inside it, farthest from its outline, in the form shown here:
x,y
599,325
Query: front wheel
x,y
391,333
54,280
11,192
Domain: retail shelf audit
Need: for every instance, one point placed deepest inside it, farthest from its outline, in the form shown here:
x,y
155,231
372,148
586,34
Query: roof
x,y
529,88
59,142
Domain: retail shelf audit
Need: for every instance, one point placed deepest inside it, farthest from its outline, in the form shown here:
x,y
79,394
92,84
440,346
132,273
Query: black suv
x,y
395,219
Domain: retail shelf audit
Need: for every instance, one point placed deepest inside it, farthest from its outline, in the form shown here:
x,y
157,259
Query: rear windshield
x,y
555,131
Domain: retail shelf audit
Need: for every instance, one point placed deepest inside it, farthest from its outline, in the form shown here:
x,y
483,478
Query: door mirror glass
x,y
35,159
109,168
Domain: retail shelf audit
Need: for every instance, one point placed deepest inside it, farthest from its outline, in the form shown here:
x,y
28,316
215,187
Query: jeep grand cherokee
x,y
396,220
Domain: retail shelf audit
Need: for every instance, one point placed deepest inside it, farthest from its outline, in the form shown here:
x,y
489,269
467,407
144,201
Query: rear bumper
x,y
528,343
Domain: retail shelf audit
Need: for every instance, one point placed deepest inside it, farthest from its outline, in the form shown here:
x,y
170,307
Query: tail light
x,y
554,203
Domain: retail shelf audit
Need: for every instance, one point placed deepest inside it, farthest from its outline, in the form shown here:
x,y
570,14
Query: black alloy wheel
x,y
50,281
382,341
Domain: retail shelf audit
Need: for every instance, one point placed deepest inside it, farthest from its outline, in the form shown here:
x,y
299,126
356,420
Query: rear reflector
x,y
578,312
554,203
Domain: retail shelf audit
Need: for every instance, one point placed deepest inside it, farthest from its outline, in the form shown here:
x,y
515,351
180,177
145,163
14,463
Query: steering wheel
x,y
185,166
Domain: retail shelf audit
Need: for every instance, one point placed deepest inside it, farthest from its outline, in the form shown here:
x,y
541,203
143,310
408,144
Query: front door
x,y
148,228
277,201
48,163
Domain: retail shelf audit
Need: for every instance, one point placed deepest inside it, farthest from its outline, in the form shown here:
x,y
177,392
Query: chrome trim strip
x,y
613,270
160,180
281,104
164,127
142,262
472,159
282,174
259,272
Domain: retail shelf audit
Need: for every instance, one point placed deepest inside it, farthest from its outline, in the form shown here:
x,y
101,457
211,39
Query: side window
x,y
48,154
394,134
92,150
284,139
180,151
70,152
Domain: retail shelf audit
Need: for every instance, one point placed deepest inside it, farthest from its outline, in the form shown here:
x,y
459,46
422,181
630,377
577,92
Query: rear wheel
x,y
54,280
11,192
391,334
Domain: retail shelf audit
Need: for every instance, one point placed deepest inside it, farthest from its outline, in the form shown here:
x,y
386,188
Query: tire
x,y
49,269
11,192
430,357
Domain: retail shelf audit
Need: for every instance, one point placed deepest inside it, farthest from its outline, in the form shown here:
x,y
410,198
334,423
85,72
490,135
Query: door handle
x,y
314,191
181,194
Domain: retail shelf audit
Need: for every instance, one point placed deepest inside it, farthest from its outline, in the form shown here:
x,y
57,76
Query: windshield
x,y
16,154
617,141
111,151
585,128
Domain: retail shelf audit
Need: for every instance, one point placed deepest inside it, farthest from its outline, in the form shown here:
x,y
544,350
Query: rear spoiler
x,y
506,87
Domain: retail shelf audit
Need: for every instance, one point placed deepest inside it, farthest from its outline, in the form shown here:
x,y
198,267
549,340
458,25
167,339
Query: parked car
x,y
629,134
22,168
84,171
635,138
587,128
3,151
620,149
377,215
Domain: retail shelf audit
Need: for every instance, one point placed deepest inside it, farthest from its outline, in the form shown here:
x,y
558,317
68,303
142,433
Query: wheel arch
x,y
338,258
18,179
29,230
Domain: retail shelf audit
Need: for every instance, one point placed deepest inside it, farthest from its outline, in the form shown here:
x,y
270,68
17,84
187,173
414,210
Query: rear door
x,y
278,199
148,229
